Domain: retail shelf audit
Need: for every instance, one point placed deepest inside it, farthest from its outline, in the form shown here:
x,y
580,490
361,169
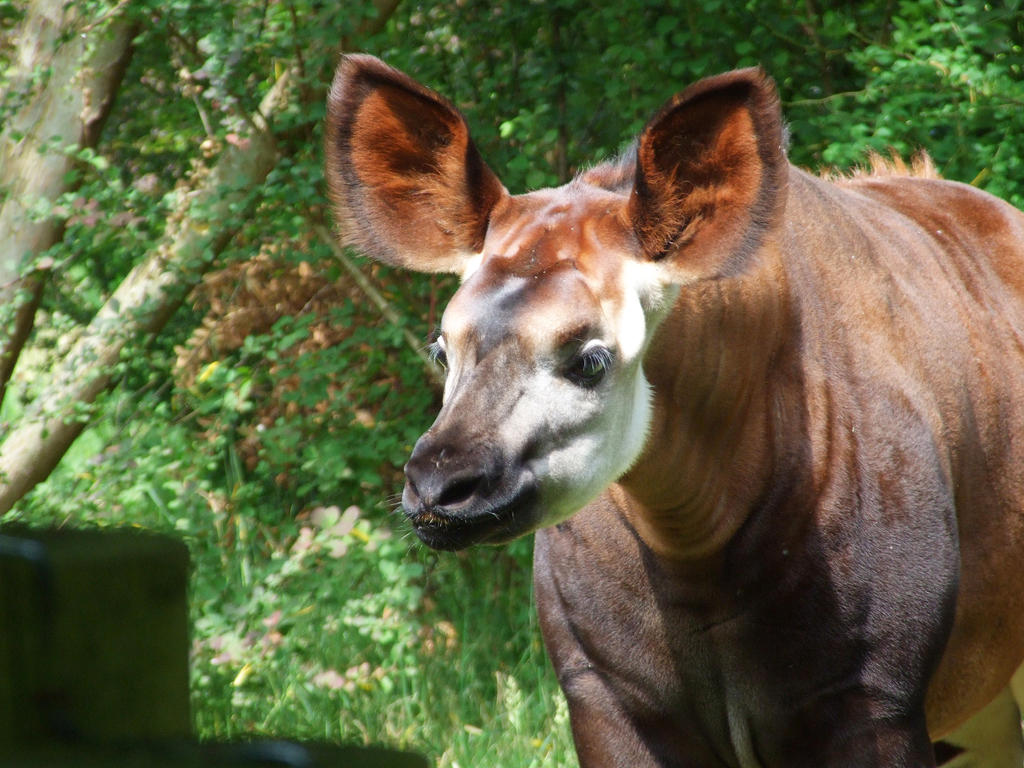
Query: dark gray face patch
x,y
500,309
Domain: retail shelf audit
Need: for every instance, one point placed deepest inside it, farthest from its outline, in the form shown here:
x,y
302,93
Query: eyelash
x,y
437,354
589,366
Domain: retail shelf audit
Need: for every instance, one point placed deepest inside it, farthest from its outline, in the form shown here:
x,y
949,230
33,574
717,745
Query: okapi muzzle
x,y
457,494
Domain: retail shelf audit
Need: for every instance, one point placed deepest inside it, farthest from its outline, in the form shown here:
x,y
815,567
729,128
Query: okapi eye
x,y
436,352
589,366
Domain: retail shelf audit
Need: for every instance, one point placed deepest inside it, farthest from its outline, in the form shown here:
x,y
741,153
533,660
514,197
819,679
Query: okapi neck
x,y
714,365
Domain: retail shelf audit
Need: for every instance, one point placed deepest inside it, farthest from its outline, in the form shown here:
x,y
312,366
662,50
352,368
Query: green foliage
x,y
966,62
268,422
578,81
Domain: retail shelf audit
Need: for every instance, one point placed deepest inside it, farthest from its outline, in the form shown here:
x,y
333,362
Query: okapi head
x,y
546,401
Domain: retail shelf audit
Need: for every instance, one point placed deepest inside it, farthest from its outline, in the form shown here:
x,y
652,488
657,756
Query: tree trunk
x,y
67,110
141,305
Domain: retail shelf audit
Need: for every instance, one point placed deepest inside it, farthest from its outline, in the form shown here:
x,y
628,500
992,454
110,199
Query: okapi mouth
x,y
501,515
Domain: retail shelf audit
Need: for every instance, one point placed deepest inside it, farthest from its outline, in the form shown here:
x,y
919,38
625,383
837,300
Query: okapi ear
x,y
710,174
408,185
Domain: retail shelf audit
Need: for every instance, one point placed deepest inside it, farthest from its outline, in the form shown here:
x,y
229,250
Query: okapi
x,y
768,427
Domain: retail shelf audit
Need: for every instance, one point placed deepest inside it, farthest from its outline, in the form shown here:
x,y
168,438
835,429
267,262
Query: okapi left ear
x,y
408,184
710,175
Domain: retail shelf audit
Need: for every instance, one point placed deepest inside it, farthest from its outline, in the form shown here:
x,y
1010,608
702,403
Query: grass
x,y
315,639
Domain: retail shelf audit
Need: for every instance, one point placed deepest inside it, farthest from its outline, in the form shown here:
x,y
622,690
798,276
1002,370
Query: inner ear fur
x,y
407,182
710,174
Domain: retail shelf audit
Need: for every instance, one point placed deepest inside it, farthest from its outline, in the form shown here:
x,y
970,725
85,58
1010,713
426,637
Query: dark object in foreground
x,y
93,636
94,661
257,754
767,426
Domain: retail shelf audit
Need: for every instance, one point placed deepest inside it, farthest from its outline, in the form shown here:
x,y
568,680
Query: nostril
x,y
442,478
459,490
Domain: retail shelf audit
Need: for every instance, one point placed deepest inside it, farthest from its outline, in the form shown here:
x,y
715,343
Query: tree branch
x,y
142,304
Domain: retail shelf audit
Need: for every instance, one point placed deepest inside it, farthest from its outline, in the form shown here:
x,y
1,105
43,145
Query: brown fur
x,y
709,167
921,166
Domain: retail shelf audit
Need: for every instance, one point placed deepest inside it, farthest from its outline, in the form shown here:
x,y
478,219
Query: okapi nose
x,y
444,478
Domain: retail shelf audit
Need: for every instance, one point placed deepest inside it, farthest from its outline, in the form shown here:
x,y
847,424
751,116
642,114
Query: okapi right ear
x,y
408,185
711,174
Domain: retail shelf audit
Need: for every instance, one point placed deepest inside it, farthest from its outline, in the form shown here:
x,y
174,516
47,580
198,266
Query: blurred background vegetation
x,y
193,356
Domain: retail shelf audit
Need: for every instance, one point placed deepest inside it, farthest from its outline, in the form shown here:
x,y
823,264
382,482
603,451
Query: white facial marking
x,y
470,265
605,437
